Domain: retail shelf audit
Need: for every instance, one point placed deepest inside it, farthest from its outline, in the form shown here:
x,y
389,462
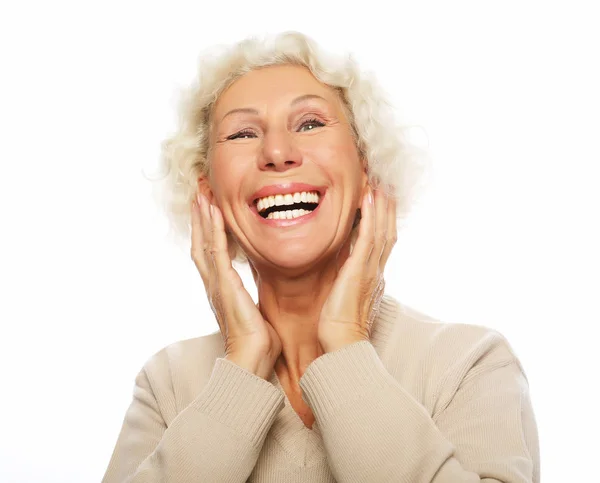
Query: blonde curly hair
x,y
394,164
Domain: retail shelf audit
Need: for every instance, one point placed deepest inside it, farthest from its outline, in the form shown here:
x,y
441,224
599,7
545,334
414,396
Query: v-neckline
x,y
288,405
303,445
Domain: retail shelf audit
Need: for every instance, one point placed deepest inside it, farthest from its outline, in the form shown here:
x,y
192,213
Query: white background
x,y
507,235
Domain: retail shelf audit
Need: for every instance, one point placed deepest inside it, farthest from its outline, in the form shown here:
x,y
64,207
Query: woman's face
x,y
274,127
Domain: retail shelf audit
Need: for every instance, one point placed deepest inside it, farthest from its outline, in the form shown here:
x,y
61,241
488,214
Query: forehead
x,y
268,86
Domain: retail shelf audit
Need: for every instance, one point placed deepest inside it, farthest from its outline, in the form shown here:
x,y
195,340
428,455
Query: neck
x,y
292,305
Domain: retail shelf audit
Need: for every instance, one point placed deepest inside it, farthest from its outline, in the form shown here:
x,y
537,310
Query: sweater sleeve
x,y
216,438
374,430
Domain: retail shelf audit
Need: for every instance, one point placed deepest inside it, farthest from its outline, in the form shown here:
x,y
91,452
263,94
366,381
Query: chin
x,y
294,257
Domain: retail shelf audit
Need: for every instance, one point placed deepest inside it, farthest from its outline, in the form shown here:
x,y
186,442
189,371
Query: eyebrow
x,y
297,100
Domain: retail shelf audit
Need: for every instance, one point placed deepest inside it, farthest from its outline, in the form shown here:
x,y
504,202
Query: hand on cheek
x,y
352,305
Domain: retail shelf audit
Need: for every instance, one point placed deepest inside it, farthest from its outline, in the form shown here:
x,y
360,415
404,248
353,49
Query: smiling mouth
x,y
289,206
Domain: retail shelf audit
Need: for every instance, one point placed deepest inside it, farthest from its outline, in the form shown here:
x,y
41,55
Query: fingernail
x,y
370,195
212,210
199,199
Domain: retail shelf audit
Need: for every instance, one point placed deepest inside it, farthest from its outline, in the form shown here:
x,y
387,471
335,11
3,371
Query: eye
x,y
246,134
314,122
241,135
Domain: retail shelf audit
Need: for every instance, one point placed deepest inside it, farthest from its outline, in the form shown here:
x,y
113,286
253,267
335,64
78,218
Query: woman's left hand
x,y
353,303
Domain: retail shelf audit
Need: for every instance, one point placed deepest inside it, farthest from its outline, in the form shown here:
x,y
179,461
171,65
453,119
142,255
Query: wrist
x,y
258,367
337,345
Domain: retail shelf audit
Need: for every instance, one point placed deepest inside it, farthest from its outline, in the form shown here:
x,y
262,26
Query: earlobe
x,y
364,177
204,188
365,189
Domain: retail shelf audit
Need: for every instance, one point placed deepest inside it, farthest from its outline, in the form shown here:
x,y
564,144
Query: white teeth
x,y
288,199
287,215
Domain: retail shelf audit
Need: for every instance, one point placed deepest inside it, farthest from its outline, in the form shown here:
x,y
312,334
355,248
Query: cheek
x,y
337,147
331,157
228,172
340,162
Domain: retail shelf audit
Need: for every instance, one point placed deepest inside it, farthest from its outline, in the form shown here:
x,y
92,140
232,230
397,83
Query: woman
x,y
280,157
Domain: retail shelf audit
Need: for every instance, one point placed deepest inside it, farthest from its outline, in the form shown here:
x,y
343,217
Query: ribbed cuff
x,y
240,400
344,375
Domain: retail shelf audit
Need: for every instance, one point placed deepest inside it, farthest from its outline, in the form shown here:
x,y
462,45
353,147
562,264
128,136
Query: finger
x,y
219,243
366,229
381,222
207,234
230,283
392,232
197,240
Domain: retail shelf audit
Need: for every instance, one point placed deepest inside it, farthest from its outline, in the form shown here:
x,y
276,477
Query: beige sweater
x,y
423,401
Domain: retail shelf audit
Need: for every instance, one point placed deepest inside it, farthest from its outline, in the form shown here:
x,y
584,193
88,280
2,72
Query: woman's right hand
x,y
250,341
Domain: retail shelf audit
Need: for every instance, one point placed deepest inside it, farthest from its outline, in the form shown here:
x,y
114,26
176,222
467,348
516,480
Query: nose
x,y
279,152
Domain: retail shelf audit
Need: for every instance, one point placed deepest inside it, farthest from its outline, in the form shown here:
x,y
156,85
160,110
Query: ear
x,y
204,187
364,163
364,180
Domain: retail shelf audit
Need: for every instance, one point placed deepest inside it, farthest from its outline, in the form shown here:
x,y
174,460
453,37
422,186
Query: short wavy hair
x,y
393,162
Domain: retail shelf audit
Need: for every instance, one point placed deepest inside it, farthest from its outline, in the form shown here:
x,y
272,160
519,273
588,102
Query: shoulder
x,y
178,372
436,356
448,341
197,351
455,342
